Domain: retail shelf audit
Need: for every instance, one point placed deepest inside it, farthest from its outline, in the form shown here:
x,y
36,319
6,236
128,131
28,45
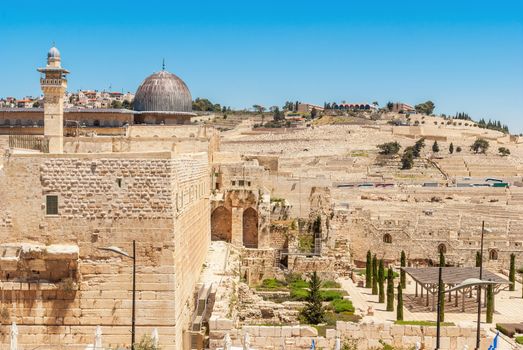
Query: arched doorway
x,y
221,224
387,238
250,228
493,254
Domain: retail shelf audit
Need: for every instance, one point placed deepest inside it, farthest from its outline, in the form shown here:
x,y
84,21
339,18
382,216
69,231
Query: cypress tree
x,y
442,301
368,270
374,275
403,263
512,273
490,303
381,281
441,259
399,311
390,290
313,311
451,148
478,259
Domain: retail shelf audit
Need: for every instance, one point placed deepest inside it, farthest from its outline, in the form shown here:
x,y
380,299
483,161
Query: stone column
x,y
237,226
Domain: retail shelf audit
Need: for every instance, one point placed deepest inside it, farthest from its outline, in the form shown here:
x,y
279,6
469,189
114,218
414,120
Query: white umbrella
x,y
98,338
337,345
246,341
227,342
155,337
14,335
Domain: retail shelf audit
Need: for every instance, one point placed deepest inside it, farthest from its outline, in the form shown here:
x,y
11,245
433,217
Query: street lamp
x,y
123,253
483,230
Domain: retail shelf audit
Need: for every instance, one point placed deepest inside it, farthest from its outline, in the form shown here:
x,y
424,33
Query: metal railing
x,y
37,143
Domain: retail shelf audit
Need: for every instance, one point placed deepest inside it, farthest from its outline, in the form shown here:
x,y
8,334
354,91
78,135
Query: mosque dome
x,y
53,53
163,92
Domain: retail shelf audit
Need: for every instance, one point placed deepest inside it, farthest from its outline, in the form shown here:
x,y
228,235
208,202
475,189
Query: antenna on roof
x,y
163,64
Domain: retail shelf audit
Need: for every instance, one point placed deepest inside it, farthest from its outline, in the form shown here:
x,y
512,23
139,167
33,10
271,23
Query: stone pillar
x,y
237,226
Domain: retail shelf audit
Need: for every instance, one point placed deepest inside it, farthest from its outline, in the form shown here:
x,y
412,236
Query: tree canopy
x,y
389,148
425,107
480,146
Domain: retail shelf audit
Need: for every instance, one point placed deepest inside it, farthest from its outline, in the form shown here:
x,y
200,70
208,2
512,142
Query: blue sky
x,y
464,55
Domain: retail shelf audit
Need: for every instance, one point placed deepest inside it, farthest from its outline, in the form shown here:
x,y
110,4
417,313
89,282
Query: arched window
x,y
442,248
493,254
387,238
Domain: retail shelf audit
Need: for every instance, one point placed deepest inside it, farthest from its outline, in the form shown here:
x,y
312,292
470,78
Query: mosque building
x,y
162,98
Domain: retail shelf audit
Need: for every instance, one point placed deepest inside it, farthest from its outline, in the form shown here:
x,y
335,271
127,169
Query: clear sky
x,y
465,55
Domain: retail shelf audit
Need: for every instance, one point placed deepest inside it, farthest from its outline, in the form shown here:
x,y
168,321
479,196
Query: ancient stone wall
x,y
104,200
362,335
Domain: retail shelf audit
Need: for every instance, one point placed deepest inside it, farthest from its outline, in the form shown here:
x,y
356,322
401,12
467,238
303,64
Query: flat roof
x,y
451,275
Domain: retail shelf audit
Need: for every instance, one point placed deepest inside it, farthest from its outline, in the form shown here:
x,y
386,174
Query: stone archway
x,y
250,228
221,224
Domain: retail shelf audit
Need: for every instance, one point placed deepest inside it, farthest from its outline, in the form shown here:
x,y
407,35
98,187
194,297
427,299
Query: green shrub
x,y
293,277
342,305
299,284
298,294
331,284
330,295
272,283
519,340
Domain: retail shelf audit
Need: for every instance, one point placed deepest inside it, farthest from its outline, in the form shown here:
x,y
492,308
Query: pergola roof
x,y
451,275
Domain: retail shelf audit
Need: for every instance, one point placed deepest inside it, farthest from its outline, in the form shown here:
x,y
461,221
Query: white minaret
x,y
54,84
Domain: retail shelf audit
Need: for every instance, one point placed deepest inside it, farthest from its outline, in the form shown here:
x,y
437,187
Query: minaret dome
x,y
53,56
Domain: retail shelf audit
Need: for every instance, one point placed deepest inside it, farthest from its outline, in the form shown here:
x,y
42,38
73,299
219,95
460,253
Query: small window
x,y
233,183
249,183
119,182
493,254
442,249
387,238
51,205
241,183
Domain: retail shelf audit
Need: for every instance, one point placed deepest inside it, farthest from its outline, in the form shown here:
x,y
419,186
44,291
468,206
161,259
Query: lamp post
x,y
133,257
478,328
438,320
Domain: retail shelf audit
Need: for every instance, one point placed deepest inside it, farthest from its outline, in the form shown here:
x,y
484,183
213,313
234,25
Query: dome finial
x,y
163,64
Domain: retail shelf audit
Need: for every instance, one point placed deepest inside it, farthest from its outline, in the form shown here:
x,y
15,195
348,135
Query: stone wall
x,y
364,336
157,199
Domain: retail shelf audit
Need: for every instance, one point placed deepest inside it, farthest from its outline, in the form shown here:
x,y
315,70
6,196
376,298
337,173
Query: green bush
x,y
331,284
330,295
299,284
272,283
342,305
519,340
298,294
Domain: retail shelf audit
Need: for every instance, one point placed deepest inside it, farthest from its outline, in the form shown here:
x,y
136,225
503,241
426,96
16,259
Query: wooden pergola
x,y
426,279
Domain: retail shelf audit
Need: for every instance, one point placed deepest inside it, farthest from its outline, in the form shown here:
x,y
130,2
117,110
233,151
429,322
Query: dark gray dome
x,y
163,92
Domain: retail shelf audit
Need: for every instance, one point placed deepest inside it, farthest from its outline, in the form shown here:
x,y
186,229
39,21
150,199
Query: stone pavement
x,y
509,308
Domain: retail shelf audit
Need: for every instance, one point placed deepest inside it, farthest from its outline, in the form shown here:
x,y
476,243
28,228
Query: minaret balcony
x,y
53,82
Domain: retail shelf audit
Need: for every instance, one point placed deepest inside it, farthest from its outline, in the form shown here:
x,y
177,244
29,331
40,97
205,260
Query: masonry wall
x,y
106,200
361,335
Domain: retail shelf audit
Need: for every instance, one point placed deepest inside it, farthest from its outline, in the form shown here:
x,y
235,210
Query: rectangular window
x,y
242,183
233,183
51,205
249,183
